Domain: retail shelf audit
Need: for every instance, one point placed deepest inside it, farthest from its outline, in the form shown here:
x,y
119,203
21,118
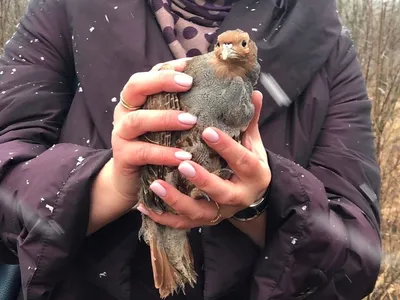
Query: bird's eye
x,y
244,44
217,44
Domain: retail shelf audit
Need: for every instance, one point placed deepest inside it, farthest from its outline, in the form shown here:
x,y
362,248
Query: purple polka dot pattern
x,y
210,37
193,52
190,26
168,33
157,5
189,32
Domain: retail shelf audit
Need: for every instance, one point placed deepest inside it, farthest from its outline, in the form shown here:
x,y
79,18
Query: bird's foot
x,y
199,194
224,173
166,67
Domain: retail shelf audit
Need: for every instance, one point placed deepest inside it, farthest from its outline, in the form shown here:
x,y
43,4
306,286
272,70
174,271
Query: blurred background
x,y
375,29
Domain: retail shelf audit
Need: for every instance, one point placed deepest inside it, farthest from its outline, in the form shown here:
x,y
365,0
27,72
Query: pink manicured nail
x,y
183,80
183,155
158,189
187,119
211,135
187,170
143,210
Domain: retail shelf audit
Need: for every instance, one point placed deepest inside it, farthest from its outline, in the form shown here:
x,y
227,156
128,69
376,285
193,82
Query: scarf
x,y
190,26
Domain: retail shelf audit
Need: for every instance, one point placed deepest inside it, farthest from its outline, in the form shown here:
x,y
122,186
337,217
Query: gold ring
x,y
125,104
219,216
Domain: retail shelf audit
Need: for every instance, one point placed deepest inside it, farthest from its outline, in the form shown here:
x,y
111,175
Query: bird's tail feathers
x,y
171,257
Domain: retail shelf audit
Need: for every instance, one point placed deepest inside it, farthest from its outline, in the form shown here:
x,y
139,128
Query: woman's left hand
x,y
251,178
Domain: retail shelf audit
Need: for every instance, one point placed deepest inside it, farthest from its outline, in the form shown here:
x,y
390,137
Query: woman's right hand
x,y
115,189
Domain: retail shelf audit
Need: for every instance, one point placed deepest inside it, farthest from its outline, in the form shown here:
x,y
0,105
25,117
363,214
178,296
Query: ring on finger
x,y
127,105
219,216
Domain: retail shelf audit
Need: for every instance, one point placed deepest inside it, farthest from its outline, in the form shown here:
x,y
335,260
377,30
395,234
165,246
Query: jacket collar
x,y
294,39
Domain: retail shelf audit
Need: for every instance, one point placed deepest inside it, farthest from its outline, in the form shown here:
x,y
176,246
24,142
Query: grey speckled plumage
x,y
220,97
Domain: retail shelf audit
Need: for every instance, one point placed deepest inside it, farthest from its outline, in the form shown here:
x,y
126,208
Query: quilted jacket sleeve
x,y
44,189
323,230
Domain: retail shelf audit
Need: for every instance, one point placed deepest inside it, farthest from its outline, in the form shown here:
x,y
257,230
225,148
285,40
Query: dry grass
x,y
10,12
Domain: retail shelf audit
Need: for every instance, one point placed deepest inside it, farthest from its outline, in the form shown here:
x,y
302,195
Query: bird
x,y
221,97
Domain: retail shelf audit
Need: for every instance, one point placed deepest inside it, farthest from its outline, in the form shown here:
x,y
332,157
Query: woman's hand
x,y
252,177
115,189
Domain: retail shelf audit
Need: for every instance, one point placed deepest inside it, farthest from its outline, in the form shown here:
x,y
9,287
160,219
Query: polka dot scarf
x,y
189,26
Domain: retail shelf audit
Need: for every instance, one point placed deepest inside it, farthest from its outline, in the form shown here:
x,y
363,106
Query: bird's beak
x,y
226,51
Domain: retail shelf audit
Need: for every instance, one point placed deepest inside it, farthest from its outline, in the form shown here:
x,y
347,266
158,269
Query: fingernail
x,y
183,80
183,155
158,189
187,170
211,135
187,119
142,209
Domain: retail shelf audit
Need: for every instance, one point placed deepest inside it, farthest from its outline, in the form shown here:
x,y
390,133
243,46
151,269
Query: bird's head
x,y
235,45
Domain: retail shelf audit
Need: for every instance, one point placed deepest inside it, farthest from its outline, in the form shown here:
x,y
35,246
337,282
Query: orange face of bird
x,y
233,45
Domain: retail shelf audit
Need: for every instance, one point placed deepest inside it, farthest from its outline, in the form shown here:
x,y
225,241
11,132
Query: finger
x,y
178,64
138,122
251,138
144,84
257,98
200,211
252,131
169,219
141,153
222,191
242,161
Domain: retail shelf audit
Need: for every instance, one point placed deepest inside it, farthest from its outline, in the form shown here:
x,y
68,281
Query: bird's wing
x,y
162,101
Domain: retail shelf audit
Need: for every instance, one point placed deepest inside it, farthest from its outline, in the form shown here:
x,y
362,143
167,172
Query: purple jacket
x,y
60,78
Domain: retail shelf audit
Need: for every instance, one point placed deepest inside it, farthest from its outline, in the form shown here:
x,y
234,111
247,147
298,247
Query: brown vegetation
x,y
10,12
375,28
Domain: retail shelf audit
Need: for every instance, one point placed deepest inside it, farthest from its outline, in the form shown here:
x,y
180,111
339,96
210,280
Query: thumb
x,y
252,133
257,98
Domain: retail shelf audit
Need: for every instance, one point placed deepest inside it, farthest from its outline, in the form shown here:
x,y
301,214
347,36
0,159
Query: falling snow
x,y
91,29
27,181
80,90
115,7
254,29
42,58
274,89
114,99
56,227
51,208
103,274
41,199
294,241
108,21
80,160
304,207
